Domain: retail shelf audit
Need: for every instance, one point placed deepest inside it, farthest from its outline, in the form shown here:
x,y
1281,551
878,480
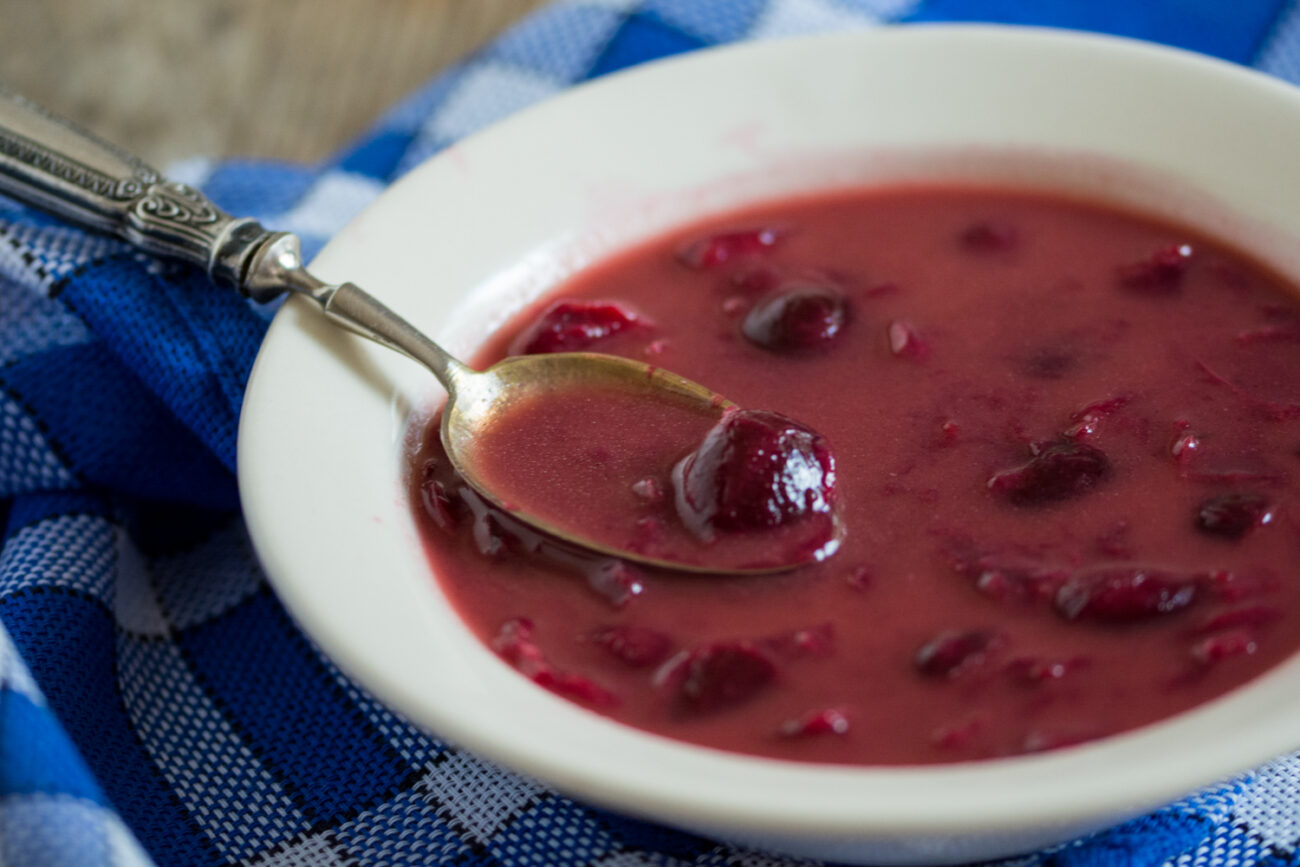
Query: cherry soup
x,y
1062,441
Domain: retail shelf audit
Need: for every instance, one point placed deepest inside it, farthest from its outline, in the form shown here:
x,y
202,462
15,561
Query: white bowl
x,y
467,238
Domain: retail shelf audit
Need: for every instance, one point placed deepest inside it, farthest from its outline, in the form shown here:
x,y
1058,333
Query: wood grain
x,y
279,79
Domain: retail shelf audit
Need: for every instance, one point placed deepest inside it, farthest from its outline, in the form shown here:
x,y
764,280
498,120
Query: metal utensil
x,y
49,163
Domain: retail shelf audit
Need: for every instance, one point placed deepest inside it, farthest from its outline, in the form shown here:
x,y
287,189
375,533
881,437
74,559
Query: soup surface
x,y
1065,440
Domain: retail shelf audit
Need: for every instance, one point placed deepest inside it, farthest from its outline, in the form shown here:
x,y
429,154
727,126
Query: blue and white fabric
x,y
158,706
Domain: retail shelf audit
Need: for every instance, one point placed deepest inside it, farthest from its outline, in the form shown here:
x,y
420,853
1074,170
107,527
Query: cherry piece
x,y
1275,410
734,305
496,535
1224,645
797,317
615,580
906,342
634,646
1248,617
435,499
816,640
1084,422
572,326
1185,446
1056,471
575,687
1003,576
822,721
1235,586
1114,541
710,252
719,676
1034,671
959,734
1002,585
860,577
1159,274
755,469
1019,582
649,490
647,531
1117,594
488,530
1269,333
1232,516
989,236
1039,741
515,644
948,654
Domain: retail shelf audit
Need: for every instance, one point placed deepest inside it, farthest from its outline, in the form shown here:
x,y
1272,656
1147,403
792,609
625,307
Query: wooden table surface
x,y
280,79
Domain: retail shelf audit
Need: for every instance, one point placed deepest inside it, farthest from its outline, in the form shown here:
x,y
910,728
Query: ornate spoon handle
x,y
49,163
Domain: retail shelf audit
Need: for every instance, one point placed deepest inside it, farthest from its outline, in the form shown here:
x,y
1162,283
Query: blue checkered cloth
x,y
157,706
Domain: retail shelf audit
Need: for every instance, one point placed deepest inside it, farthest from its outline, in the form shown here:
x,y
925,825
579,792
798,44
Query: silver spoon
x,y
49,163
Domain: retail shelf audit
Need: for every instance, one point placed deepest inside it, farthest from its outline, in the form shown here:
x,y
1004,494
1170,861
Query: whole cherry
x,y
796,317
755,469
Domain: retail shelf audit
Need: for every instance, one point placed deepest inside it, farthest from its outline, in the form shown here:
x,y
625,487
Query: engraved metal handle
x,y
51,164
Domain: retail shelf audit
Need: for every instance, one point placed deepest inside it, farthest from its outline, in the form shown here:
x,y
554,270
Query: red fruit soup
x,y
1062,441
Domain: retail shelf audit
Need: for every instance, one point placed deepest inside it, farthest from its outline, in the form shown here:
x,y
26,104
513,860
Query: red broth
x,y
1066,441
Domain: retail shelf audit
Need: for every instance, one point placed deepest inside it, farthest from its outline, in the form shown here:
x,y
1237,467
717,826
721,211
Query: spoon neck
x,y
280,265
352,307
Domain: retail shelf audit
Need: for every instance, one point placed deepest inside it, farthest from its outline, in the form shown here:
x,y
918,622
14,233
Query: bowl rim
x,y
1002,795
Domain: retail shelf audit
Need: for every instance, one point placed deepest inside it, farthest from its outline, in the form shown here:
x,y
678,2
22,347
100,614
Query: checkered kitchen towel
x,y
156,703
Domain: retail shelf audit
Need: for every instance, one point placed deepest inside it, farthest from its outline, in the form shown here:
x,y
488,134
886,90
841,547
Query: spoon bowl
x,y
480,400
